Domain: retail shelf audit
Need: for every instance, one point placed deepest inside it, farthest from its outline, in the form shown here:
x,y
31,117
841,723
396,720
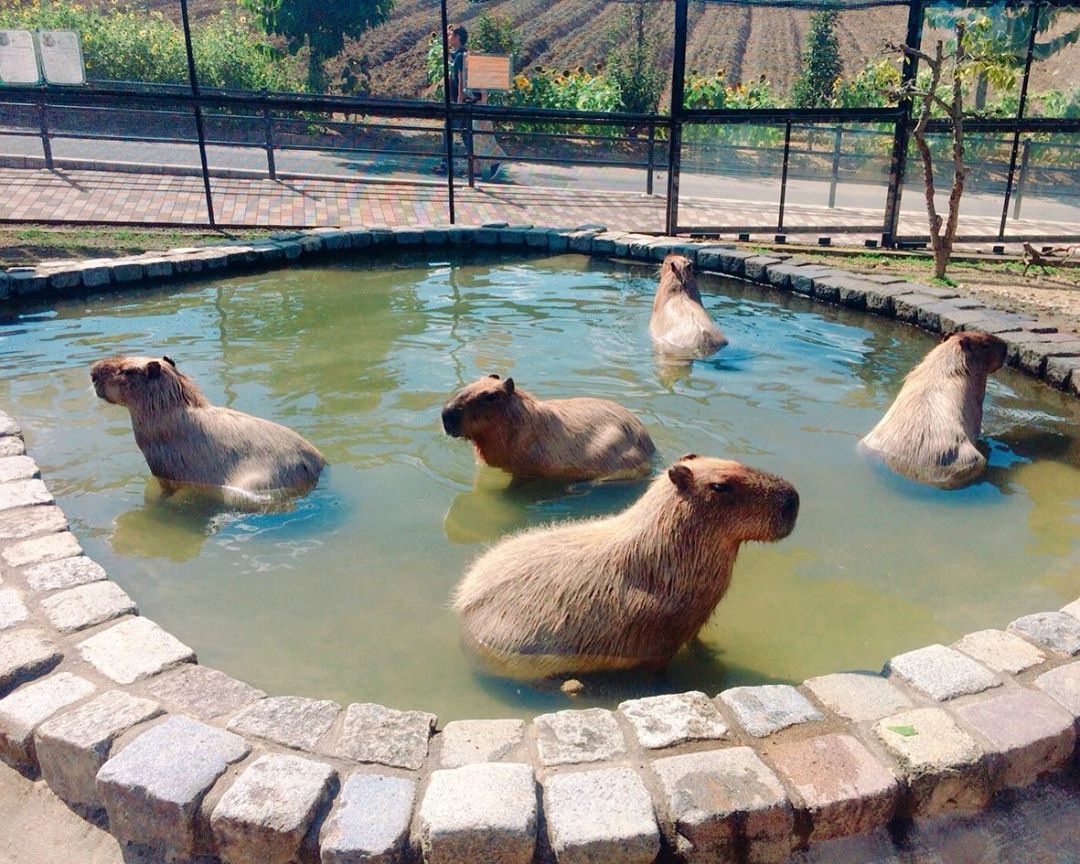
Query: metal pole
x,y
193,79
678,83
652,158
470,153
268,127
1019,117
837,137
1022,180
902,131
46,144
448,127
783,177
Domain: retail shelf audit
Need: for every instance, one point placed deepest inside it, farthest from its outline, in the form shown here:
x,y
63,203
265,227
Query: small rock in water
x,y
572,687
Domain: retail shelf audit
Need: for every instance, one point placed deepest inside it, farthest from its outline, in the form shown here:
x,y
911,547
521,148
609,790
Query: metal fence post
x,y
46,144
783,177
837,138
268,128
448,128
678,83
902,131
470,152
1021,181
649,169
1019,118
193,79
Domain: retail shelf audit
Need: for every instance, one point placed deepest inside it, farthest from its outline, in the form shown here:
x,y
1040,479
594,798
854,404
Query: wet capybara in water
x,y
186,440
565,439
929,432
623,591
680,327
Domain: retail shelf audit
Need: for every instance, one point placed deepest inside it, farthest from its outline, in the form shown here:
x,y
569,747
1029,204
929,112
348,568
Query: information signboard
x,y
61,56
487,72
18,61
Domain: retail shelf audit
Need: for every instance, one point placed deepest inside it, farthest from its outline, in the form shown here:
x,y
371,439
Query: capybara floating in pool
x,y
566,439
623,591
929,432
188,441
680,327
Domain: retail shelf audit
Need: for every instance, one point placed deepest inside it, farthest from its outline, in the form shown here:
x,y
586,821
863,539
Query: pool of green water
x,y
345,596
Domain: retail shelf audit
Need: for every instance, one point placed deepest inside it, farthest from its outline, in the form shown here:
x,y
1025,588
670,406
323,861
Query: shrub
x,y
820,61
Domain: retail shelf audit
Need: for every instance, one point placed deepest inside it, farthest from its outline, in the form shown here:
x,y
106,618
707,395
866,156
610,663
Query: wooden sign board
x,y
487,72
61,56
18,60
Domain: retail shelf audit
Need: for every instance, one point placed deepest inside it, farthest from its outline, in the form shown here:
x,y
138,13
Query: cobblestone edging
x,y
122,723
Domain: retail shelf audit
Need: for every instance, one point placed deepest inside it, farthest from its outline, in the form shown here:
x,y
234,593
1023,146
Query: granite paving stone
x,y
485,812
87,605
8,425
756,268
858,696
942,764
567,737
72,747
263,817
25,521
1058,631
374,733
1000,651
22,711
465,742
12,445
201,692
153,787
664,721
1063,686
941,673
25,654
720,799
1063,373
17,468
843,787
370,821
294,721
600,816
66,573
12,610
1072,609
1028,734
37,550
135,648
23,493
769,708
906,306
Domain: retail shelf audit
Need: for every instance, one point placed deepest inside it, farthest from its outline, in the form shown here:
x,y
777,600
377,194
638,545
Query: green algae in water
x,y
345,595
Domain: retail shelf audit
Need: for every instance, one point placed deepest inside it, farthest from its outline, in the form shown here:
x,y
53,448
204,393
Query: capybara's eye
x,y
489,397
128,373
720,487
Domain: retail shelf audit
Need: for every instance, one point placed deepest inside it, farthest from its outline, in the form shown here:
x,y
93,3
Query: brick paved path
x,y
121,198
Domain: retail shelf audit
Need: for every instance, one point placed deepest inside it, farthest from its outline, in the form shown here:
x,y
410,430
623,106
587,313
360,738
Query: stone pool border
x,y
124,725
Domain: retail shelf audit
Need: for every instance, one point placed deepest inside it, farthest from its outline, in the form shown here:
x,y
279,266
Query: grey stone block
x,y
581,241
23,493
767,709
804,280
436,237
558,243
66,573
65,279
1058,631
293,721
18,468
462,236
311,245
537,238
157,268
12,445
720,800
941,673
97,276
408,236
87,605
664,721
26,654
29,284
858,696
127,271
906,307
487,237
370,821
512,236
72,747
30,705
26,521
1027,733
568,737
466,742
942,764
8,426
153,787
12,610
599,816
733,263
479,813
1063,373
1063,686
1000,651
134,649
263,817
203,693
1072,609
37,550
756,267
373,733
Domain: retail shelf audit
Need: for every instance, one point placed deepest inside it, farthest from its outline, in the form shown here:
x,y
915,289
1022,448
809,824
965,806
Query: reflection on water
x,y
345,594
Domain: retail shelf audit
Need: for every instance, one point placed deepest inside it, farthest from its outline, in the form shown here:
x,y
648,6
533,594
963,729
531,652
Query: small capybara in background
x,y
623,591
929,432
188,441
680,327
564,439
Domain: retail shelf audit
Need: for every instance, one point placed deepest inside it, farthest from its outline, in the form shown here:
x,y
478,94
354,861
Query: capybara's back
x,y
680,326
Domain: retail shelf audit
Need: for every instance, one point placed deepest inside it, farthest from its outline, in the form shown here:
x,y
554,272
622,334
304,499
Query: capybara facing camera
x,y
623,591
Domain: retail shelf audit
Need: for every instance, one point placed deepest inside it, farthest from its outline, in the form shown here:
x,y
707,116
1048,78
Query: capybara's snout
x,y
788,509
452,416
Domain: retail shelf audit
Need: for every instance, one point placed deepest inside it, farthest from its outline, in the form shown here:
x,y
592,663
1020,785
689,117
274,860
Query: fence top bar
x,y
841,5
801,115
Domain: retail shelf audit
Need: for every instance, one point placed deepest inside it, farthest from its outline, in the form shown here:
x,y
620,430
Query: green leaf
x,y
906,731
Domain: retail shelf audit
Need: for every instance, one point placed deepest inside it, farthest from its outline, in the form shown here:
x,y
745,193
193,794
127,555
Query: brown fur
x,y
566,439
929,432
623,591
680,326
186,440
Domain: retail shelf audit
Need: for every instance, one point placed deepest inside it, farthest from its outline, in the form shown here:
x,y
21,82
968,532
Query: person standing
x,y
456,39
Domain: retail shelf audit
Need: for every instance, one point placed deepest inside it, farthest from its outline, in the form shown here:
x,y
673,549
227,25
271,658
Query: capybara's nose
x,y
451,421
789,505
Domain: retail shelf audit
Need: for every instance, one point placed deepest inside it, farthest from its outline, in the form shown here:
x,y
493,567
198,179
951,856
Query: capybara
x,y
565,439
680,326
188,441
626,590
929,432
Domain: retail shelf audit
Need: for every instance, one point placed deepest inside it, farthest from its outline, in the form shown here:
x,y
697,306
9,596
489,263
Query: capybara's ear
x,y
681,476
153,369
672,267
508,385
169,360
493,375
687,456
